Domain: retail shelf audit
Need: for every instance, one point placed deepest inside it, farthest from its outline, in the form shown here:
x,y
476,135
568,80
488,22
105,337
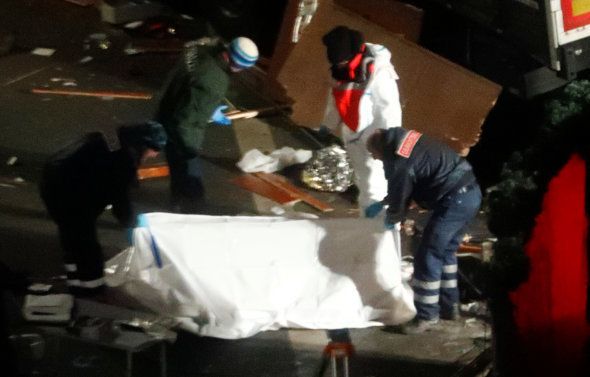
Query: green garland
x,y
514,203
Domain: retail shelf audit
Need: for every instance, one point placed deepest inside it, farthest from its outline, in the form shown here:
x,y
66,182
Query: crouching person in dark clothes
x,y
82,179
436,178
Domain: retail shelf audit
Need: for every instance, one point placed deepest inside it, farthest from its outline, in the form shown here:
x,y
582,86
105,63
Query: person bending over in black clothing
x,y
80,181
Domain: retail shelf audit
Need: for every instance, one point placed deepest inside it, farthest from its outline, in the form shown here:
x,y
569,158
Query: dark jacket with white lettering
x,y
421,169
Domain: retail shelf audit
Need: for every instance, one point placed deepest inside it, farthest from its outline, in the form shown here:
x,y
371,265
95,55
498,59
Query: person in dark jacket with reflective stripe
x,y
80,181
192,100
431,174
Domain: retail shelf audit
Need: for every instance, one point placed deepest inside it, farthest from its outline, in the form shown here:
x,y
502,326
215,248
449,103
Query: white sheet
x,y
231,277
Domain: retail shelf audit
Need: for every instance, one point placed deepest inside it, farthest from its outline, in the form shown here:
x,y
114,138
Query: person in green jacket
x,y
192,100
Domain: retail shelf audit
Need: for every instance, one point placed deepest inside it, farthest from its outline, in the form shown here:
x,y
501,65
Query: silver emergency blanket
x,y
328,170
232,277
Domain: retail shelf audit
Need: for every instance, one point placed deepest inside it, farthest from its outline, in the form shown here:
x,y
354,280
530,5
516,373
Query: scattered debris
x,y
409,227
134,49
487,251
11,161
477,308
133,25
127,95
100,40
43,51
277,210
162,28
64,81
85,59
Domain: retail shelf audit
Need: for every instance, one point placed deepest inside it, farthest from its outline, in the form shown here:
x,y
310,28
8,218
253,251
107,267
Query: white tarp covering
x,y
231,277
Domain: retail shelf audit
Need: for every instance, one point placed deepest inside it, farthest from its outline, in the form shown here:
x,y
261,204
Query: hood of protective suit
x,y
381,55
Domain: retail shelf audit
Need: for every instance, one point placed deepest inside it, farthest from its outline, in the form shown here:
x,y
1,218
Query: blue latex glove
x,y
219,117
373,210
142,221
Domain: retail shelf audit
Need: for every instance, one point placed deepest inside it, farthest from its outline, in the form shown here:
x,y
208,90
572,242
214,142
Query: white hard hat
x,y
243,52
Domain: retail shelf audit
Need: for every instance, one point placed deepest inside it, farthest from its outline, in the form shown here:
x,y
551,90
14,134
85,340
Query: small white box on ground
x,y
48,308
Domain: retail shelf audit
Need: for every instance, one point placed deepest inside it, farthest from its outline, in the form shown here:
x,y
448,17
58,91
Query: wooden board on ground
x,y
93,93
146,172
283,184
470,248
256,185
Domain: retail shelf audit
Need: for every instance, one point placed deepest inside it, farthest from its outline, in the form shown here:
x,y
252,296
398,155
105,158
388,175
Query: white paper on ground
x,y
232,277
43,51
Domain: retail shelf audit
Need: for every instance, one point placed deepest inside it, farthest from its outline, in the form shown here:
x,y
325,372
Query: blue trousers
x,y
435,262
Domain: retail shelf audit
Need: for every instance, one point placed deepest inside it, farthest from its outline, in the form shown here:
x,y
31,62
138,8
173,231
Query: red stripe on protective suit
x,y
550,306
348,102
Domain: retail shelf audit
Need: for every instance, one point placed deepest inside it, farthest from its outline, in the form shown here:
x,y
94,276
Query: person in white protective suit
x,y
364,97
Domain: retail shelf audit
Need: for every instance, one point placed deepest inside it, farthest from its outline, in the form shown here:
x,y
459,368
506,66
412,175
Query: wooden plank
x,y
147,172
287,186
246,114
256,185
128,95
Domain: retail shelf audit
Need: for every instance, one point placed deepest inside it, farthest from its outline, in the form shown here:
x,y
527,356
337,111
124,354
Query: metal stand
x,y
337,353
